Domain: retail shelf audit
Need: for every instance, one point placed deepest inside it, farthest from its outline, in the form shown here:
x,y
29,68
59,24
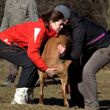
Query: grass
x,y
53,98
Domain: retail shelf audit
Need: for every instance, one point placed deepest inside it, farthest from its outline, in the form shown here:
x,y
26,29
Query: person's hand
x,y
51,71
61,48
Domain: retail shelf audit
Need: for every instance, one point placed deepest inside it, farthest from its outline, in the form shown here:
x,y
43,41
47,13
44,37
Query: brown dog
x,y
53,59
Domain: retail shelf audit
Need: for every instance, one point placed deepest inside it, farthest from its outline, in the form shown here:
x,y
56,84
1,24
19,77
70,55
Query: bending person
x,y
21,45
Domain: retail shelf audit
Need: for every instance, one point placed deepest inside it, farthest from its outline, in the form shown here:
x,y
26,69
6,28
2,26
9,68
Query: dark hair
x,y
51,15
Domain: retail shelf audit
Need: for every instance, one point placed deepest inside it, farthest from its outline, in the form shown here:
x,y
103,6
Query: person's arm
x,y
5,23
34,45
78,35
32,10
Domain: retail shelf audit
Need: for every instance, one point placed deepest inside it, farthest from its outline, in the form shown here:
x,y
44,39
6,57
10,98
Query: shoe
x,y
21,96
9,81
91,108
13,102
6,84
31,95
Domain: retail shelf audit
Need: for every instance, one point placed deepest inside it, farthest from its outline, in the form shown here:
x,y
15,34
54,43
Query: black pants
x,y
75,77
18,56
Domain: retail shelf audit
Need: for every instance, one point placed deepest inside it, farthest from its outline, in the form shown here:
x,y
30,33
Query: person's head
x,y
64,10
57,17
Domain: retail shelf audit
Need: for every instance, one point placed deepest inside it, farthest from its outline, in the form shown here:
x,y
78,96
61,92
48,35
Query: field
x,y
53,98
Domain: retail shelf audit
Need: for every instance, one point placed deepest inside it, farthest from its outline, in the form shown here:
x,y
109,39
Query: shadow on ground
x,y
105,104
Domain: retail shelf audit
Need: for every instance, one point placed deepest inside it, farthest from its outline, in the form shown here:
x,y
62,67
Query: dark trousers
x,y
75,78
18,56
13,69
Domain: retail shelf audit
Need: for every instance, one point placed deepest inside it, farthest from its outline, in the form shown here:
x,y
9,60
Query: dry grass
x,y
53,98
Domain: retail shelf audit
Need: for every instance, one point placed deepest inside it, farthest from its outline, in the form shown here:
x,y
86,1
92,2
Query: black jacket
x,y
83,31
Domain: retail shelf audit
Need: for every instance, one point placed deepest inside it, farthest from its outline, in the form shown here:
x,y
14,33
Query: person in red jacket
x,y
21,44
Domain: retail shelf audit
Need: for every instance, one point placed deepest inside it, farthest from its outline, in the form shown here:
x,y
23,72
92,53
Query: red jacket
x,y
29,36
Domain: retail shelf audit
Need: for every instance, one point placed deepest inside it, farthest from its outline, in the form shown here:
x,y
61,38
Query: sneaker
x,y
21,96
31,95
91,108
13,102
9,81
6,84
